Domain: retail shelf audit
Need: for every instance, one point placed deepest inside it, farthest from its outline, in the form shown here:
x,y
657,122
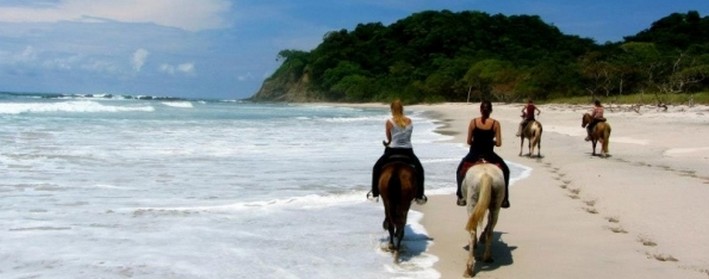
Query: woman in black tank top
x,y
483,136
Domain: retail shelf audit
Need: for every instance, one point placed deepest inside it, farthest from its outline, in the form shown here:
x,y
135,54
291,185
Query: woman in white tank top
x,y
398,131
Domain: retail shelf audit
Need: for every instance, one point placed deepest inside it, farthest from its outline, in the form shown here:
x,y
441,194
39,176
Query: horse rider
x,y
527,116
484,133
398,131
596,116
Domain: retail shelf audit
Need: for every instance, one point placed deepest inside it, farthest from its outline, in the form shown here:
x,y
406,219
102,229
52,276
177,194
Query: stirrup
x,y
371,197
422,200
505,204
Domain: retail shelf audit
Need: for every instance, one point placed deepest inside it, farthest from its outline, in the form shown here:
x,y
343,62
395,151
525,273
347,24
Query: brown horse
x,y
602,132
533,132
484,189
397,187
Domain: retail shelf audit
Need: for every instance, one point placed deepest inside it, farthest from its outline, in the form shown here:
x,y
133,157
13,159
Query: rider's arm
x,y
387,129
471,126
498,135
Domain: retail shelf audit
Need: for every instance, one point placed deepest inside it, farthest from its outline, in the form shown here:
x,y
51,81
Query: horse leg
x,y
521,144
400,231
536,145
593,144
539,146
530,147
604,147
470,265
492,220
392,236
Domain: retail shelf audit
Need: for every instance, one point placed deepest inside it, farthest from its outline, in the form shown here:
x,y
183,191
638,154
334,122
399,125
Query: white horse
x,y
483,190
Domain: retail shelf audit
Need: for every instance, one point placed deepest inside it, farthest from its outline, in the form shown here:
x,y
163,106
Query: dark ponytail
x,y
485,108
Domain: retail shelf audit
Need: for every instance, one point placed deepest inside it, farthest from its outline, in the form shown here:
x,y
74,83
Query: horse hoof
x,y
422,200
468,273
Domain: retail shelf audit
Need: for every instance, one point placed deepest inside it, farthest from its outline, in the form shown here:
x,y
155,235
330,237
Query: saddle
x,y
467,165
595,121
399,158
526,124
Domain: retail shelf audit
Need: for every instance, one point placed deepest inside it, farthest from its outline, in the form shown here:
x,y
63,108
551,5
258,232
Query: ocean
x,y
110,186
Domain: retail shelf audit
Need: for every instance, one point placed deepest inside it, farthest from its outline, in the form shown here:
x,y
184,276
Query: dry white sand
x,y
637,214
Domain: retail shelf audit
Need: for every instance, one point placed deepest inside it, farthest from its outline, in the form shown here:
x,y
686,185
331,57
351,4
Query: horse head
x,y
585,119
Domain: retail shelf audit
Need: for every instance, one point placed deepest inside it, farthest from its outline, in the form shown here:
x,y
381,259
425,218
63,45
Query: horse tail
x,y
484,198
394,191
536,134
606,137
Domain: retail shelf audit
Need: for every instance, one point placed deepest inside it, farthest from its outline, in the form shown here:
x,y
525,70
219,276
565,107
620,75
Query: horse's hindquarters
x,y
397,184
484,190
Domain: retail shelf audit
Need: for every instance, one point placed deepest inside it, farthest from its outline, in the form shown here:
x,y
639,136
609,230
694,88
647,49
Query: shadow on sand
x,y
501,254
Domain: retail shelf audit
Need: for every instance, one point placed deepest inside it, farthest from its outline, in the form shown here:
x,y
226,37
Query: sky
x,y
224,49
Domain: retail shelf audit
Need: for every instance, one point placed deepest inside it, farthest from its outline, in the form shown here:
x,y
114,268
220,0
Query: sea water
x,y
104,186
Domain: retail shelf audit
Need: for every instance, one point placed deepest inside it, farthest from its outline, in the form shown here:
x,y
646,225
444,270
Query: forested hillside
x,y
445,56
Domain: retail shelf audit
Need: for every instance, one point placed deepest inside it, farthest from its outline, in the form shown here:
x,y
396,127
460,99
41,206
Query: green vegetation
x,y
437,56
701,98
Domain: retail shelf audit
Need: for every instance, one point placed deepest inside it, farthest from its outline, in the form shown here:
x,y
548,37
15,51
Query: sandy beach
x,y
637,214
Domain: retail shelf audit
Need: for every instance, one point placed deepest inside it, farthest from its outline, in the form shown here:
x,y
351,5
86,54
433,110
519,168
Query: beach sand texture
x,y
638,214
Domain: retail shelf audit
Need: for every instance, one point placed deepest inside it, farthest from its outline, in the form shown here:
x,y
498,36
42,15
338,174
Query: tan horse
x,y
533,132
397,185
602,132
484,190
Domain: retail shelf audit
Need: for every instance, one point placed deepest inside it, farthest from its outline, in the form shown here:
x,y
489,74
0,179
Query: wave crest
x,y
71,106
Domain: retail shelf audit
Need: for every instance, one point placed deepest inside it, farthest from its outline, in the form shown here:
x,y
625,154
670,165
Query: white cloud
x,y
28,54
65,63
191,15
184,68
187,68
138,59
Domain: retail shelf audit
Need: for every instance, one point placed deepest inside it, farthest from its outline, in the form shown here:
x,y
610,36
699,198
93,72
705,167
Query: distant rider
x,y
596,116
527,115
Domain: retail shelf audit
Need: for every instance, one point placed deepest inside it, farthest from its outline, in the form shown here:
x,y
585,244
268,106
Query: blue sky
x,y
223,49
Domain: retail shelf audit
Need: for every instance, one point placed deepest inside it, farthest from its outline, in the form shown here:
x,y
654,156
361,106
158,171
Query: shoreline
x,y
581,216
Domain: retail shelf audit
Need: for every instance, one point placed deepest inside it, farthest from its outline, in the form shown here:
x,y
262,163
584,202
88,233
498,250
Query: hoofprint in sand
x,y
637,214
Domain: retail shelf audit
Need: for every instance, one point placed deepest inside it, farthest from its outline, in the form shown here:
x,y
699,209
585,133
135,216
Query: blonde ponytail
x,y
397,113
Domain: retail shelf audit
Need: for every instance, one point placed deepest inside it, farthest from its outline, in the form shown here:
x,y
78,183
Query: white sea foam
x,y
178,104
67,106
